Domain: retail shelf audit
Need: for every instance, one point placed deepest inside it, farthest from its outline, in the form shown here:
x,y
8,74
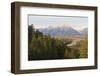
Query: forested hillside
x,y
44,47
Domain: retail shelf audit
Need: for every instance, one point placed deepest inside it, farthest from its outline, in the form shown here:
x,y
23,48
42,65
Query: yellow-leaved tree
x,y
84,48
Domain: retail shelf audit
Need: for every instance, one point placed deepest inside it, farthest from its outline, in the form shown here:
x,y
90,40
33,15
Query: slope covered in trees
x,y
44,47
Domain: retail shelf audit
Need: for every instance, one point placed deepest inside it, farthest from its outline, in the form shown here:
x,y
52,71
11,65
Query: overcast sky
x,y
40,21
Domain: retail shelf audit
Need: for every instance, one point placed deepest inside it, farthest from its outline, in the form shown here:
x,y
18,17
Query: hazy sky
x,y
40,21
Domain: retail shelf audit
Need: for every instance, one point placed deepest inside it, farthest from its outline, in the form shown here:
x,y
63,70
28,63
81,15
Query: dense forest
x,y
45,47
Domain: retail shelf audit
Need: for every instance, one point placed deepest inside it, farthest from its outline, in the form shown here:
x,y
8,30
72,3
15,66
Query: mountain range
x,y
63,31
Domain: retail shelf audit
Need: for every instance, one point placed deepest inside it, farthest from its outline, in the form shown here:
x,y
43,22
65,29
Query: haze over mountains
x,y
84,31
63,31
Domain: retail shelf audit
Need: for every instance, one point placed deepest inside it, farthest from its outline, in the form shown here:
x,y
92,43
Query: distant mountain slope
x,y
62,31
84,31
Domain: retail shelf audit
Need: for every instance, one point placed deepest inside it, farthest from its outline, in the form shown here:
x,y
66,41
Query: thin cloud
x,y
77,23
